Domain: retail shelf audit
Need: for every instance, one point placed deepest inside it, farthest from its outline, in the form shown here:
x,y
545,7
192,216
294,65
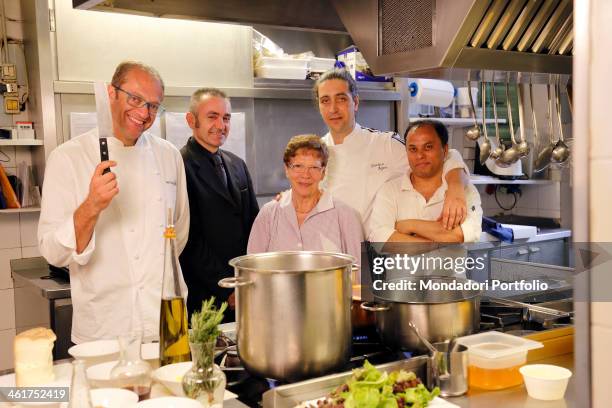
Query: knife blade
x,y
105,127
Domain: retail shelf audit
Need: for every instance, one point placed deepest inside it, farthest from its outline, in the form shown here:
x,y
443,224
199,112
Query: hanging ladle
x,y
499,149
511,155
523,146
561,152
485,146
473,133
543,160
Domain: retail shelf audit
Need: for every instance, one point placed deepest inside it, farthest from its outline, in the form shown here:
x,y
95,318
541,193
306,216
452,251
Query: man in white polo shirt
x,y
408,208
362,160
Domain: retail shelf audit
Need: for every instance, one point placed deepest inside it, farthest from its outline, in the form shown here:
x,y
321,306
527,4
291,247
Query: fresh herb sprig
x,y
205,323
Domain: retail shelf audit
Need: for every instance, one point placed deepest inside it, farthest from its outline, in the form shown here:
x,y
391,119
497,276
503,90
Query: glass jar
x,y
132,372
205,382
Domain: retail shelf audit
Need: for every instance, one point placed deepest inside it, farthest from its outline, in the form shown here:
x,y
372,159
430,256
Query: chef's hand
x,y
102,187
231,301
455,210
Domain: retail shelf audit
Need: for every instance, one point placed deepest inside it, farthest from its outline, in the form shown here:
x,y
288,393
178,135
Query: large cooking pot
x,y
293,312
438,314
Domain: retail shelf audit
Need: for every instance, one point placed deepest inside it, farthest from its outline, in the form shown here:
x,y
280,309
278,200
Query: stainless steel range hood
x,y
318,15
453,38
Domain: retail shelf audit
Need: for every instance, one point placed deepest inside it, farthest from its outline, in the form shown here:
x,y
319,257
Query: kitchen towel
x,y
496,229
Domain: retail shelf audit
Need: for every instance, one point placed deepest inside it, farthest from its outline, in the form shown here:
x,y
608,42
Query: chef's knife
x,y
105,124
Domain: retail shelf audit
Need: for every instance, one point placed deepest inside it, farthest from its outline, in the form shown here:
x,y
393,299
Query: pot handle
x,y
375,307
234,282
355,267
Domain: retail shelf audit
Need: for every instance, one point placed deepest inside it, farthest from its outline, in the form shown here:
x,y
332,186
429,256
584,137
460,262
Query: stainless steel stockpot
x,y
440,315
293,312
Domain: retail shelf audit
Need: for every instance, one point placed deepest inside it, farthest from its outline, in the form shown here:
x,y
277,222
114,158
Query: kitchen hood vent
x,y
453,38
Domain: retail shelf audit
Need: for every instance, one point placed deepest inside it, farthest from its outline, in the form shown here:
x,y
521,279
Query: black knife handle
x,y
104,153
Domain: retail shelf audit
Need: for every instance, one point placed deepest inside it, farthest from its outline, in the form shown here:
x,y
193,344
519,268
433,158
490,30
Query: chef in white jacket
x,y
361,160
108,228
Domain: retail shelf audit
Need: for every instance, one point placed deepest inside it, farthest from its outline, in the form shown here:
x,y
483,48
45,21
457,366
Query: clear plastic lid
x,y
495,344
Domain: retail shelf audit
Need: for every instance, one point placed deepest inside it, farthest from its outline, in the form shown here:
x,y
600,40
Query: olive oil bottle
x,y
173,337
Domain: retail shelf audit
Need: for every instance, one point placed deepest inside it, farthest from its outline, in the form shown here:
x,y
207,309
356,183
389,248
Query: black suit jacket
x,y
221,222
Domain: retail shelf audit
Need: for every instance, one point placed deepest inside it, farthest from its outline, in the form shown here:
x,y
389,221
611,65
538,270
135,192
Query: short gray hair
x,y
200,94
336,73
307,142
126,66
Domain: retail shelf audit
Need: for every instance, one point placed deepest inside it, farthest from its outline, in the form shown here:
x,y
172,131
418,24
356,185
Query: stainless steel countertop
x,y
517,396
29,271
491,242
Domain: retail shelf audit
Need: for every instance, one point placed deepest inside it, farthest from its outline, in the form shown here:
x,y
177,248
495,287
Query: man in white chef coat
x,y
108,228
407,209
361,160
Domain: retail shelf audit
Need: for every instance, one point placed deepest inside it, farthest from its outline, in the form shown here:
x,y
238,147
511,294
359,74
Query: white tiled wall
x,y
7,317
534,200
600,194
17,240
6,347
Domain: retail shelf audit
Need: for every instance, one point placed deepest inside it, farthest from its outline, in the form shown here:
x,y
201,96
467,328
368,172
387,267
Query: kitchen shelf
x,y
459,121
277,89
21,142
494,180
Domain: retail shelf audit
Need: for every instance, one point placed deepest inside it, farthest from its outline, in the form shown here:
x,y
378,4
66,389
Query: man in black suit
x,y
221,201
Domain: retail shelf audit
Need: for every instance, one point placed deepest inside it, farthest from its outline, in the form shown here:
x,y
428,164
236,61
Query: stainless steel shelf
x,y
461,122
493,180
21,142
280,89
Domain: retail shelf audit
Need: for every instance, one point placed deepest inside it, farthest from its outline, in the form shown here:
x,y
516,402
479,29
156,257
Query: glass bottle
x,y
173,340
205,382
79,387
132,372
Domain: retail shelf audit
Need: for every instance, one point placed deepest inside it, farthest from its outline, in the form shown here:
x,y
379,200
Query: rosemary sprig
x,y
204,324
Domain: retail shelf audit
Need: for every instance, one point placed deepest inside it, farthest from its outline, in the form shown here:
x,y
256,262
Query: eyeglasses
x,y
301,168
138,102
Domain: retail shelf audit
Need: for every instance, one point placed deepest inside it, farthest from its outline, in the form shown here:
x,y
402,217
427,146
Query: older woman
x,y
306,218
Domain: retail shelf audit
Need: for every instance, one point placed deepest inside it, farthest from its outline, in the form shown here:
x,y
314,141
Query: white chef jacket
x,y
116,282
398,200
365,160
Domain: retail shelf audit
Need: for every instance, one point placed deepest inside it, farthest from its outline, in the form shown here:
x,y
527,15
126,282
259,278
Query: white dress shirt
x,y
365,160
398,200
116,281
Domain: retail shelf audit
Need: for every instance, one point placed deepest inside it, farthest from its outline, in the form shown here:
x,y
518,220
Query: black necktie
x,y
220,169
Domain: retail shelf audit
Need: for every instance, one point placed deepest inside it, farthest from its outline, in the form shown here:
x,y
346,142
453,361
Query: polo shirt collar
x,y
325,202
406,185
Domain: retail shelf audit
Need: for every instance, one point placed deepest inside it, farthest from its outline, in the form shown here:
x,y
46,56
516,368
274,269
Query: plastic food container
x,y
281,72
284,62
495,359
545,381
321,64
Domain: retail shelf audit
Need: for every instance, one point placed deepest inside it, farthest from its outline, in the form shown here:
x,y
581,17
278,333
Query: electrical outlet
x,y
8,72
11,104
11,88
